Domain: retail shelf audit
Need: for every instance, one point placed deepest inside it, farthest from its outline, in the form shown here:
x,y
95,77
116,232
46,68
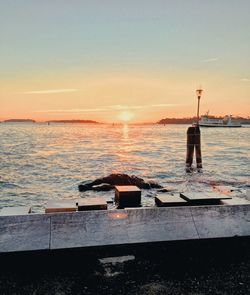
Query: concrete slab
x,y
114,227
221,221
24,233
204,198
98,228
92,204
54,206
235,201
160,224
168,200
89,228
20,210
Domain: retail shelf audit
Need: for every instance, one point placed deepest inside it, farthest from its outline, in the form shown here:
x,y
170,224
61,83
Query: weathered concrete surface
x,y
128,226
222,221
20,210
24,232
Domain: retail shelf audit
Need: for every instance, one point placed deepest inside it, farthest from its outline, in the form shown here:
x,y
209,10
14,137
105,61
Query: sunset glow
x,y
144,59
126,116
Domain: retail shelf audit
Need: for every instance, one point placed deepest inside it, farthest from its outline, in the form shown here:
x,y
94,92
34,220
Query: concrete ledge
x,y
24,232
117,227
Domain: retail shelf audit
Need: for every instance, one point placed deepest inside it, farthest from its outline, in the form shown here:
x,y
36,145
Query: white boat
x,y
227,121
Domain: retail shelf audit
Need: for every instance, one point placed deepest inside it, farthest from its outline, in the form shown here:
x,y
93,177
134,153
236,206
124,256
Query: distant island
x,y
193,119
19,121
74,121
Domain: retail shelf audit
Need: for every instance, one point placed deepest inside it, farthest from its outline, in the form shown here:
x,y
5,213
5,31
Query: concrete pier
x,y
125,226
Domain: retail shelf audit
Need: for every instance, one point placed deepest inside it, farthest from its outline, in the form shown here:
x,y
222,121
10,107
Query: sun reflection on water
x,y
125,131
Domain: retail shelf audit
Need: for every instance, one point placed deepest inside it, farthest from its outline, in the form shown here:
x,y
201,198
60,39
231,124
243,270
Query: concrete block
x,y
127,196
235,201
116,227
57,206
92,204
9,211
24,232
203,198
168,200
221,221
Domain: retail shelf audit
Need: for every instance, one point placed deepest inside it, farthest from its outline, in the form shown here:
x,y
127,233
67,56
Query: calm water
x,y
41,162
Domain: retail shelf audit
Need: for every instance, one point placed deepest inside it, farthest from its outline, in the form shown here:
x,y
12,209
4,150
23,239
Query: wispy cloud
x,y
212,59
107,108
245,79
164,105
94,110
50,91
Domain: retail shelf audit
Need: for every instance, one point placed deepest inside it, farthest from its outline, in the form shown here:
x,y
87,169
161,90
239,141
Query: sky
x,y
134,60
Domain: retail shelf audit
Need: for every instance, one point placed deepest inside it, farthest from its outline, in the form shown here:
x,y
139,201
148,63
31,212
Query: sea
x,y
40,162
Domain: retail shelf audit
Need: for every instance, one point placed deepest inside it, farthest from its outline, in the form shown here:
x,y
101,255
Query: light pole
x,y
198,93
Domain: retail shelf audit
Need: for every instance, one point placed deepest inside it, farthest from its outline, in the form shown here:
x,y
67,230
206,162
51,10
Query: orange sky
x,y
86,60
105,97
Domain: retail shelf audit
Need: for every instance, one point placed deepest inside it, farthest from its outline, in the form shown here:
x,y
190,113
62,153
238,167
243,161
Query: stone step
x,y
58,206
204,198
19,210
168,200
92,204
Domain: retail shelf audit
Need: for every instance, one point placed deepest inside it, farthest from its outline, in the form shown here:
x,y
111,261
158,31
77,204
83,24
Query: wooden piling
x,y
193,143
198,147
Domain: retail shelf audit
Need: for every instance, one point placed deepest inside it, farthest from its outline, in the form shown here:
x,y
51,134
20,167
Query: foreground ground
x,y
192,268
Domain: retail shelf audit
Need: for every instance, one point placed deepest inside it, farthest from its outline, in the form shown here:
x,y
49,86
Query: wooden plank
x,y
168,200
20,210
24,232
56,206
127,196
221,221
92,204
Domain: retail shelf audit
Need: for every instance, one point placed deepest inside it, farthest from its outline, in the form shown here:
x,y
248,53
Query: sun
x,y
125,116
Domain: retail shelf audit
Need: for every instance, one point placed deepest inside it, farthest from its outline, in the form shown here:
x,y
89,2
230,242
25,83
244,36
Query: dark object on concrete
x,y
193,143
92,204
108,183
202,198
127,196
167,200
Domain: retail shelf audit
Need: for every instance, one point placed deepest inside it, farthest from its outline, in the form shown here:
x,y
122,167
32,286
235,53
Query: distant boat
x,y
205,121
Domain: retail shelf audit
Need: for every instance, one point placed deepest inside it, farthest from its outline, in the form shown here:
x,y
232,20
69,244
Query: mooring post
x,y
193,144
198,148
190,148
194,141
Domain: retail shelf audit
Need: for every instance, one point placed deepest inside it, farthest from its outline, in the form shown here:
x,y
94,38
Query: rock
x,y
107,183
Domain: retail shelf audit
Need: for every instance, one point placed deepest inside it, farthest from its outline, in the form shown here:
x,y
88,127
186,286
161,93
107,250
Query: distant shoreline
x,y
165,121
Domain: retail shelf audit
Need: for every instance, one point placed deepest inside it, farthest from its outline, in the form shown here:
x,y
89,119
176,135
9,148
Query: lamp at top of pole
x,y
198,93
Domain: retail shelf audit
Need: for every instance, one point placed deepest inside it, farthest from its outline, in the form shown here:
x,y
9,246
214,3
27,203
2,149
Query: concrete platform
x,y
168,200
57,206
10,211
204,198
92,204
121,227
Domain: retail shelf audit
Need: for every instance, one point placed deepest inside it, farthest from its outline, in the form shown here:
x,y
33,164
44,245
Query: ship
x,y
227,121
